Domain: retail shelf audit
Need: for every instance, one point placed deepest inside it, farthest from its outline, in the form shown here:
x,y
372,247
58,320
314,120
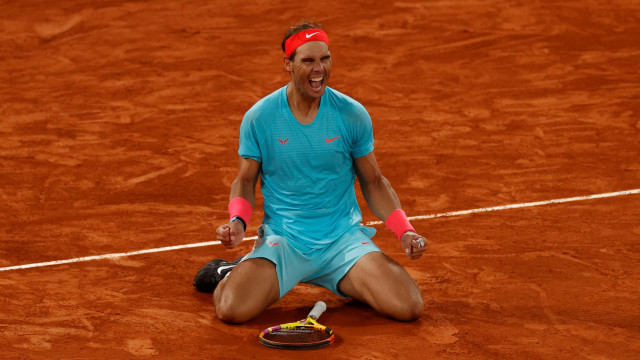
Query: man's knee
x,y
409,309
385,285
243,295
231,310
404,303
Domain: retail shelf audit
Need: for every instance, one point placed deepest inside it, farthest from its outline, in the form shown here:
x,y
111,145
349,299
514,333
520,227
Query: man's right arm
x,y
244,186
245,183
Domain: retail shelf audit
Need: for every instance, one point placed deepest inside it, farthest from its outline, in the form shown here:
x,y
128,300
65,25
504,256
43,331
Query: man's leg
x,y
385,285
248,290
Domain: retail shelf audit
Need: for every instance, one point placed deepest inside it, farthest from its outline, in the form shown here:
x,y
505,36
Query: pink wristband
x,y
240,207
398,223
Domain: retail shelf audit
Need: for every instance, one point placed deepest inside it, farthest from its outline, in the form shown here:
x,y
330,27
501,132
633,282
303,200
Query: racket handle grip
x,y
317,310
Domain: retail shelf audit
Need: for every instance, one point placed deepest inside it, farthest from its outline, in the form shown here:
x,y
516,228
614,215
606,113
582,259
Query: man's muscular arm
x,y
382,200
244,186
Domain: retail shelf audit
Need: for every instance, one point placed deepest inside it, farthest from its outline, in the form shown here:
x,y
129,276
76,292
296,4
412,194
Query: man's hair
x,y
304,25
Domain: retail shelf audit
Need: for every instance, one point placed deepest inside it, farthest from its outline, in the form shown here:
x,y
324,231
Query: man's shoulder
x,y
341,98
274,97
346,105
266,105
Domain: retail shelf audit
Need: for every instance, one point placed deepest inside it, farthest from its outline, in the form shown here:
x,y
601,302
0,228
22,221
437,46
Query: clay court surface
x,y
118,132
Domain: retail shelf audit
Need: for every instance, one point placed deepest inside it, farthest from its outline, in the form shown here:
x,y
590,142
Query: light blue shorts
x,y
321,267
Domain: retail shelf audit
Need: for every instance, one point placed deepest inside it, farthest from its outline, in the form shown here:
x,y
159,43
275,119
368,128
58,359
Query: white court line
x,y
420,217
516,206
113,256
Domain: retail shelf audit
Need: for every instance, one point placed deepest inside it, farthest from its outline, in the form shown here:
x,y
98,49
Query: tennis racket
x,y
303,334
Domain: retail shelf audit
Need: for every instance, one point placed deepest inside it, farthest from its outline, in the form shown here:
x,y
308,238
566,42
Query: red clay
x,y
118,132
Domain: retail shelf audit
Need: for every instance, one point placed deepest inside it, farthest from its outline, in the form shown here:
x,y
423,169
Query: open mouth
x,y
316,82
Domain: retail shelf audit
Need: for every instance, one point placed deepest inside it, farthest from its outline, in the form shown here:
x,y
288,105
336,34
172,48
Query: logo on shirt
x,y
330,140
283,141
272,244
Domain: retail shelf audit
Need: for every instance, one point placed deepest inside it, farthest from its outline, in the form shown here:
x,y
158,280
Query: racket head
x,y
297,336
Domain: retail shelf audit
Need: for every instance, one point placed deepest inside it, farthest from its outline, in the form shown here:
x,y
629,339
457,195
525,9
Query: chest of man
x,y
293,151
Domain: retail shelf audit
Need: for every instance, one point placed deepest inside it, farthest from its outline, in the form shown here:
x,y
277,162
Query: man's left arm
x,y
383,201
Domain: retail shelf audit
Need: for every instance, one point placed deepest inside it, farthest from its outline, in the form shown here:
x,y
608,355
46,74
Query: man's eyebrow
x,y
310,58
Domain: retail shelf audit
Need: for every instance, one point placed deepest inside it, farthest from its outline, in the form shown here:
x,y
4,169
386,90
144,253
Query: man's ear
x,y
288,66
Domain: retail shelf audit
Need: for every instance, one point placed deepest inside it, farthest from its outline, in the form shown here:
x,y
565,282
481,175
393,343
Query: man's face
x,y
310,69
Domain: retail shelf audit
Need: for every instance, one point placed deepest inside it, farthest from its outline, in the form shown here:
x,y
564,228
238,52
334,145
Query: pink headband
x,y
303,37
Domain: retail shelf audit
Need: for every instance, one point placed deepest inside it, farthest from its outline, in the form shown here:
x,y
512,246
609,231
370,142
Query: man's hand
x,y
414,245
231,234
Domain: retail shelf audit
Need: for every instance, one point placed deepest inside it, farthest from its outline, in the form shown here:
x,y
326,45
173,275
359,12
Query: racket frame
x,y
309,322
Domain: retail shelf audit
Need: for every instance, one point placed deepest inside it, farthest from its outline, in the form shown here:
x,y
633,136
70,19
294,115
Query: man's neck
x,y
304,109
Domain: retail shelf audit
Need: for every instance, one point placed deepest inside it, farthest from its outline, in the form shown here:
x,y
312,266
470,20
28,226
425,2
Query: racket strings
x,y
298,335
